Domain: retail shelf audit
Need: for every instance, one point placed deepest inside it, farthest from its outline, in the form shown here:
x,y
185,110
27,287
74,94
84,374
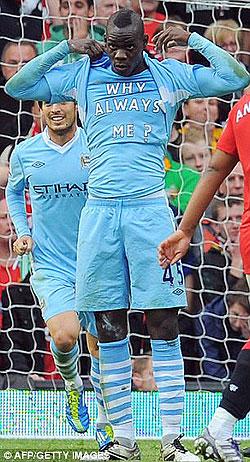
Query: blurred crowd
x,y
216,322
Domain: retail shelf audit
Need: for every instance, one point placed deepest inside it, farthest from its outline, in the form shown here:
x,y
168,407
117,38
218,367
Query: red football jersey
x,y
235,141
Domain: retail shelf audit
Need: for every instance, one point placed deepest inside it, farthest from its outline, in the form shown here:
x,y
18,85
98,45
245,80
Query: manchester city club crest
x,y
84,160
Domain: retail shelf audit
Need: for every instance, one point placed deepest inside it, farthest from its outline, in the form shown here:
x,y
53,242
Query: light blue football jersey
x,y
56,177
126,132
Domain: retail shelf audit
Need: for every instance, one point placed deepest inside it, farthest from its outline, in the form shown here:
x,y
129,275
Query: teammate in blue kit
x,y
127,103
54,167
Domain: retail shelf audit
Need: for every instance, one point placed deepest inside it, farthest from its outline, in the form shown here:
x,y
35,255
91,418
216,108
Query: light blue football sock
x,y
66,364
95,377
115,382
169,377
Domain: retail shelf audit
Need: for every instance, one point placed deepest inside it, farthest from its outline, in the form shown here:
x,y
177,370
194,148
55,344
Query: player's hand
x,y
79,28
23,245
236,259
89,47
171,37
173,248
234,249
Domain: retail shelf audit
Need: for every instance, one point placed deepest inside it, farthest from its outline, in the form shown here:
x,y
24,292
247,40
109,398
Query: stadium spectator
x,y
15,116
152,19
211,226
194,152
202,114
200,15
103,9
125,51
39,9
180,182
221,266
233,186
222,327
75,15
21,19
217,440
182,177
226,34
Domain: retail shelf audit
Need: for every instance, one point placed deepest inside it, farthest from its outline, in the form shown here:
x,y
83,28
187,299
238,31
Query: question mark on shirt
x,y
147,130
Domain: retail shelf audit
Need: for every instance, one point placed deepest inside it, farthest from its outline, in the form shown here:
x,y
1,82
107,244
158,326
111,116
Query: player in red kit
x,y
216,441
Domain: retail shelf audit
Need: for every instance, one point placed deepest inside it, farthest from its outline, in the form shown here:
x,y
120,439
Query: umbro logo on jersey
x,y
38,164
178,291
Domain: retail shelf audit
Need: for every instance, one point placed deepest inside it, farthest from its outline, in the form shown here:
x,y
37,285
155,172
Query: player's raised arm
x,y
16,205
176,246
30,82
224,76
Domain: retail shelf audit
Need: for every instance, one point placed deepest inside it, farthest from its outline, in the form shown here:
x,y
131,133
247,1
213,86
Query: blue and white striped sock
x,y
95,377
169,376
66,364
116,374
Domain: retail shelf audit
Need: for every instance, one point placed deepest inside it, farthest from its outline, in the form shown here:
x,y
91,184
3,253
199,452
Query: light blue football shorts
x,y
117,263
87,321
56,295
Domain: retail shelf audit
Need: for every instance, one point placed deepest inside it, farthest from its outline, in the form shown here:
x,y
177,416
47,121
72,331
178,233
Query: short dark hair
x,y
40,103
239,294
216,204
124,18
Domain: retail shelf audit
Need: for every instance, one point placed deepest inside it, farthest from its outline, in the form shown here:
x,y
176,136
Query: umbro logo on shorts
x,y
178,291
38,164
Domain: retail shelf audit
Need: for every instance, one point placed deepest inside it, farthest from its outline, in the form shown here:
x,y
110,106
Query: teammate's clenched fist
x,y
23,245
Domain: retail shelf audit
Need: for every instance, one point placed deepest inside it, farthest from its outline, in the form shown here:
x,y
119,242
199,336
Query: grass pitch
x,y
71,450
